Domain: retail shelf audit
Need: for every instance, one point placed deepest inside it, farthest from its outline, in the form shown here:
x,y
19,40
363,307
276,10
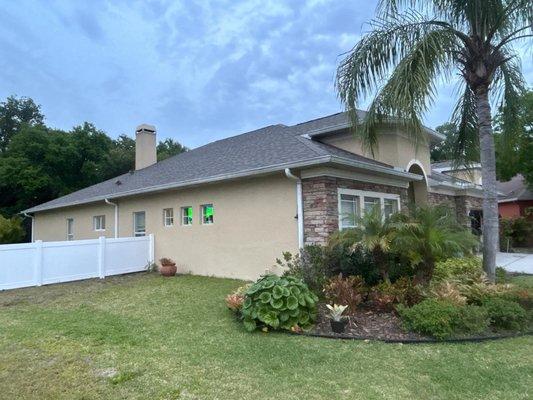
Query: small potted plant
x,y
168,267
338,321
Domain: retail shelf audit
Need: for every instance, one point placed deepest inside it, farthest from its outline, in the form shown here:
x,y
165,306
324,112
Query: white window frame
x,y
182,215
135,232
361,197
168,217
70,229
99,223
202,207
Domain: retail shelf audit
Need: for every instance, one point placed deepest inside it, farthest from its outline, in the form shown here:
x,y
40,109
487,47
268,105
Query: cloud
x,y
198,70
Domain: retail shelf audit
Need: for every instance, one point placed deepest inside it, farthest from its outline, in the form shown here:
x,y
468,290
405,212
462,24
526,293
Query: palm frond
x,y
417,52
465,144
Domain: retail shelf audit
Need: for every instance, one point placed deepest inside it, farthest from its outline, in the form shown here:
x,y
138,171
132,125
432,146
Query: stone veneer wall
x,y
320,198
461,204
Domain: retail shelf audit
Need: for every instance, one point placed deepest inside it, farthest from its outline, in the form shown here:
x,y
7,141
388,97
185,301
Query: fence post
x,y
101,257
151,253
38,263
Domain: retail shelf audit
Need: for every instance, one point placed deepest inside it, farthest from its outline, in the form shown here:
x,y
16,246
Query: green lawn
x,y
146,337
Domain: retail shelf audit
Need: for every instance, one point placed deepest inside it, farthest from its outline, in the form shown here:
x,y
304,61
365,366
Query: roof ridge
x,y
319,118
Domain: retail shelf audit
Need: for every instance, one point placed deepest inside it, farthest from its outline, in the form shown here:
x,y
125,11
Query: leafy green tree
x,y
443,151
414,43
11,230
14,113
168,148
514,139
428,235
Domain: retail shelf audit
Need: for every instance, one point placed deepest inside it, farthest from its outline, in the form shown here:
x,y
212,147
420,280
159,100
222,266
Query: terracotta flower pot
x,y
168,269
339,326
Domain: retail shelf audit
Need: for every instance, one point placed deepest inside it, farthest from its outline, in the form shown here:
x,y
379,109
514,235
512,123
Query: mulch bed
x,y
369,324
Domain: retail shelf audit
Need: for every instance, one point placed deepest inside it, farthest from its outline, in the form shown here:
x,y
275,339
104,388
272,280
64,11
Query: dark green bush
x,y
308,266
442,319
279,303
505,314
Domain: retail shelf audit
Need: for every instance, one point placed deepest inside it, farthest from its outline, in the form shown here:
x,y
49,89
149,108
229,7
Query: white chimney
x,y
145,146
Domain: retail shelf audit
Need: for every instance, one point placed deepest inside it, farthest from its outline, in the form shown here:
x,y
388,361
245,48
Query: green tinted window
x,y
186,215
207,214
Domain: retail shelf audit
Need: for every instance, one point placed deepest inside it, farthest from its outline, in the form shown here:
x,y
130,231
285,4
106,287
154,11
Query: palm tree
x,y
430,234
412,44
372,234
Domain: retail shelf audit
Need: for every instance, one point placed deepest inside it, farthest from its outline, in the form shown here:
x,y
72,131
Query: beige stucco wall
x,y
472,175
253,224
394,148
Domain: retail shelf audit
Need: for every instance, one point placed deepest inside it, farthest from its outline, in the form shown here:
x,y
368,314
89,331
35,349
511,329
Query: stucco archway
x,y
418,190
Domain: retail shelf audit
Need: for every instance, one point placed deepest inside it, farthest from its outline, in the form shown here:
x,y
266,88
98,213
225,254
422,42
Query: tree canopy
x,y
38,163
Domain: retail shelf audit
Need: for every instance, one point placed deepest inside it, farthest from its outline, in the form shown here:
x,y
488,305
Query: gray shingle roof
x,y
515,189
267,149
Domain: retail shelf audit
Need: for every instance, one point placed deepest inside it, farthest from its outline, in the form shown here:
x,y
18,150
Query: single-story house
x,y
229,208
517,198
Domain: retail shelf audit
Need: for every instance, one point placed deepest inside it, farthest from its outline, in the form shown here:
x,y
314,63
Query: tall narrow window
x,y
168,216
208,213
99,223
186,215
349,210
70,228
390,206
139,223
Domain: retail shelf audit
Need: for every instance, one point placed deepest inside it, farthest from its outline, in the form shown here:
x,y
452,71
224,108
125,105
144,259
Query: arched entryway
x,y
418,190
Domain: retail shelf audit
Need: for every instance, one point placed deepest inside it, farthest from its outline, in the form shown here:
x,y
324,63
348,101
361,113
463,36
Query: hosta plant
x,y
275,302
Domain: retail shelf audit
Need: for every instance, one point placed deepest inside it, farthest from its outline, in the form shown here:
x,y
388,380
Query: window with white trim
x,y
186,216
99,222
208,214
168,217
349,210
139,223
70,228
354,203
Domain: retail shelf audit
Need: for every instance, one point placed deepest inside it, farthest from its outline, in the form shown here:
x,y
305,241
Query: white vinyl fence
x,y
42,263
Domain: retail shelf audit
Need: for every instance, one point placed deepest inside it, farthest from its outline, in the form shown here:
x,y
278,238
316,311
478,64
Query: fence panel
x,y
38,263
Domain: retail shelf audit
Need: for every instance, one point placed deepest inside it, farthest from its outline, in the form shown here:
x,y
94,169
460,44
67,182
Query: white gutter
x,y
299,204
32,224
116,216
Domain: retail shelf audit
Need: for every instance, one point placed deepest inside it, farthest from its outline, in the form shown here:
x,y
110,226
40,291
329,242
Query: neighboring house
x,y
517,198
229,208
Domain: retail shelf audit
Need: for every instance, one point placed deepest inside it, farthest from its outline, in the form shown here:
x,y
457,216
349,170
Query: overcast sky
x,y
198,70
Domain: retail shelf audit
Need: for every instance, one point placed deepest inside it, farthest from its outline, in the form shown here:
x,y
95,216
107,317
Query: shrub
x,y
464,269
235,300
386,295
501,275
479,292
447,291
350,291
340,258
506,314
11,230
309,266
279,303
442,319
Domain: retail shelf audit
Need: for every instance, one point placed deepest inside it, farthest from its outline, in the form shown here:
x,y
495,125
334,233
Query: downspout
x,y
300,206
116,215
32,224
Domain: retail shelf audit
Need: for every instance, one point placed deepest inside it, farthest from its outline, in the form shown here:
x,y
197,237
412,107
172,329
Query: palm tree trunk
x,y
488,174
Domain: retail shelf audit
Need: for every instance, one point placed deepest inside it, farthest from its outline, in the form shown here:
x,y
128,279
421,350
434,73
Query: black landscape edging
x,y
473,339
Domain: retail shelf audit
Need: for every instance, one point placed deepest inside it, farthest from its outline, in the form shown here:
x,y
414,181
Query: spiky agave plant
x,y
413,43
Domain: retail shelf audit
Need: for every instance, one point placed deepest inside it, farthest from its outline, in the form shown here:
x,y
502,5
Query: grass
x,y
146,337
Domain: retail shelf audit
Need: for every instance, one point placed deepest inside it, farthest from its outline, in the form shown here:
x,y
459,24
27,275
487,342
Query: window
x,y
354,203
70,228
390,207
99,223
139,223
349,210
207,214
186,215
168,216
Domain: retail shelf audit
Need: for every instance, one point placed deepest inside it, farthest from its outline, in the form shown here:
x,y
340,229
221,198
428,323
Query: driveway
x,y
515,262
